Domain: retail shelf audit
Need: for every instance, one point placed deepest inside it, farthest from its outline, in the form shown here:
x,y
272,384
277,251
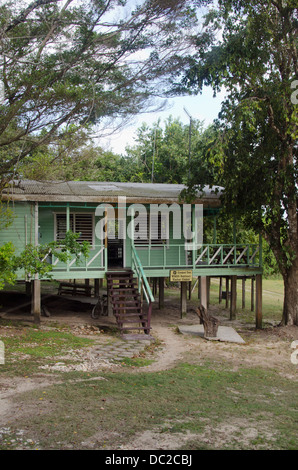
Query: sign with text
x,y
181,275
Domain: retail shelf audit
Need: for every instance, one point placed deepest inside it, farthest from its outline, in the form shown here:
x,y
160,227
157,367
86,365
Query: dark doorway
x,y
115,253
115,244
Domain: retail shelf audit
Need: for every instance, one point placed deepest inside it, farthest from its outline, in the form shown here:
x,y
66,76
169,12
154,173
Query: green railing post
x,y
260,250
142,276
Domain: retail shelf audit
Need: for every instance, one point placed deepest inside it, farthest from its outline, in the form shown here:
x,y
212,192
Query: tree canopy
x,y
68,64
250,48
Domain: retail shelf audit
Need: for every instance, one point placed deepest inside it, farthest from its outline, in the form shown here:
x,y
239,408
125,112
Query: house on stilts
x,y
137,232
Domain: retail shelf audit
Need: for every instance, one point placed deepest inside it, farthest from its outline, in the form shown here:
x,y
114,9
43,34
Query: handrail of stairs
x,y
143,283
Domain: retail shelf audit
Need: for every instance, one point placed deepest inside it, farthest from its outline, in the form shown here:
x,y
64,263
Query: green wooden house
x,y
136,232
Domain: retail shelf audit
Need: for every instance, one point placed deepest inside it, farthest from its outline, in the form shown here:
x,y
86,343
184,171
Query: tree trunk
x,y
290,310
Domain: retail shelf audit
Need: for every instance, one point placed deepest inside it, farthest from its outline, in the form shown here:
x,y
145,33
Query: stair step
x,y
117,277
128,311
124,281
129,290
129,315
126,301
118,295
131,308
121,287
121,319
132,321
136,328
122,292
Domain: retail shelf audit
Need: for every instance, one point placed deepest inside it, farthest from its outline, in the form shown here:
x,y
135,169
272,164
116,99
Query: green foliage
x,y
85,64
34,259
162,153
250,48
6,214
7,264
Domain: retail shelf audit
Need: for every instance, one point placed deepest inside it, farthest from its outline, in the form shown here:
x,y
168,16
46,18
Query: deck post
x,y
183,298
233,297
161,293
208,290
227,291
220,291
203,292
189,290
154,286
109,303
252,296
243,292
28,288
36,300
259,301
96,287
36,293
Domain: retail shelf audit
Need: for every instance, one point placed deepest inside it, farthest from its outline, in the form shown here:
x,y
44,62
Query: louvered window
x,y
79,223
150,230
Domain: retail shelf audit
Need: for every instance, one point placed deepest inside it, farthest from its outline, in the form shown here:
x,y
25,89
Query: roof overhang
x,y
106,192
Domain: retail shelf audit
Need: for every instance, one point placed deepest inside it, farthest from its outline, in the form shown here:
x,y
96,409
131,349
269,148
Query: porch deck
x,y
159,260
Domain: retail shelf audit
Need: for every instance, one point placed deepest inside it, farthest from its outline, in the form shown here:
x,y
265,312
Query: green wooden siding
x,y
156,259
93,265
21,227
20,230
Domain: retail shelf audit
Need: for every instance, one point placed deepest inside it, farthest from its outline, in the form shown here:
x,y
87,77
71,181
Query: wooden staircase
x,y
126,302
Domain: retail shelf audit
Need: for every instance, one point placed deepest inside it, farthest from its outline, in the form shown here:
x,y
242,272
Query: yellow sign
x,y
181,276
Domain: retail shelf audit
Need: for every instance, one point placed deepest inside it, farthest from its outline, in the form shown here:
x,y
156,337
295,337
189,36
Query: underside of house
x,y
136,232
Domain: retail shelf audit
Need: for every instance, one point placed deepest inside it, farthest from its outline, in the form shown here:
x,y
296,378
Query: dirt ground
x,y
270,347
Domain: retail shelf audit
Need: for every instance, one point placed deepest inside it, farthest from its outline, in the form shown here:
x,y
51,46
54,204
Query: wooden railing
x,y
97,260
143,283
212,255
228,255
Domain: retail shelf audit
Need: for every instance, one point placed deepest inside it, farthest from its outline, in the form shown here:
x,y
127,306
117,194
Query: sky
x,y
203,107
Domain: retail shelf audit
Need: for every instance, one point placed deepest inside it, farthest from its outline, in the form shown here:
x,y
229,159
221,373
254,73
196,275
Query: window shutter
x,y
84,226
61,226
78,223
141,229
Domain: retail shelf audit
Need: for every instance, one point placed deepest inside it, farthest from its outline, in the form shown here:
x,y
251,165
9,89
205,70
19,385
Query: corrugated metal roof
x,y
94,191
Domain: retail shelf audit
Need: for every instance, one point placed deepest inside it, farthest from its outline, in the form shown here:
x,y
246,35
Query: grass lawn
x,y
215,396
188,399
273,292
